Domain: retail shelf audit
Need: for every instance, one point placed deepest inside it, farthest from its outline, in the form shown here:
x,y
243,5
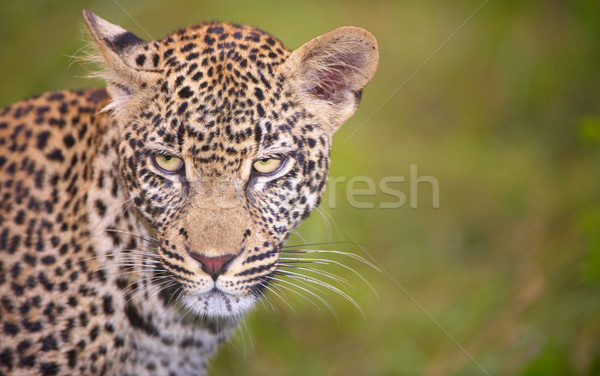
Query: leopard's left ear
x,y
330,71
123,56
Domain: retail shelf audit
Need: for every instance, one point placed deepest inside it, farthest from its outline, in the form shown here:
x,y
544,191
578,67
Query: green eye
x,y
266,166
168,163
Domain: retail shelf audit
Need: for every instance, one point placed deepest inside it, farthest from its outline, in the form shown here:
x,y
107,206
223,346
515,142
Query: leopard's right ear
x,y
124,59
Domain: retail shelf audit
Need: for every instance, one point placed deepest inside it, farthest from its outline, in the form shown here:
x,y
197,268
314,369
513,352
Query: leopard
x,y
141,221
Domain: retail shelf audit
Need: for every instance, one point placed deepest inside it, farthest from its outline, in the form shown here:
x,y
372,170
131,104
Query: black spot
x,y
137,321
48,260
23,346
27,361
209,40
58,96
215,30
6,358
49,369
259,94
124,40
197,76
30,259
260,110
83,319
140,59
187,47
69,140
192,56
49,343
20,218
119,341
49,286
17,289
11,329
257,133
42,139
32,326
182,107
109,308
72,358
56,155
25,307
109,327
168,53
94,332
185,92
100,207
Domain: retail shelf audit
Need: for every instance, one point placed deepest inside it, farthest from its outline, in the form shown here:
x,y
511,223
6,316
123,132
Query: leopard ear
x,y
123,57
331,70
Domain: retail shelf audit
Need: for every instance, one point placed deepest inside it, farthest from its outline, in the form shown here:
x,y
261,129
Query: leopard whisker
x,y
178,292
328,220
164,285
312,293
299,235
276,292
324,273
346,254
315,244
135,271
139,253
244,328
121,253
141,237
300,277
130,261
287,260
127,204
142,288
266,303
128,265
301,295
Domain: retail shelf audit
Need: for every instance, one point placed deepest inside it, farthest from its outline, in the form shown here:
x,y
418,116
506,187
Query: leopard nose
x,y
213,266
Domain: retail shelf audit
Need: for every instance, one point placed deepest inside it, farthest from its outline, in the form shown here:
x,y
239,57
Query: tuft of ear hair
x,y
330,71
127,81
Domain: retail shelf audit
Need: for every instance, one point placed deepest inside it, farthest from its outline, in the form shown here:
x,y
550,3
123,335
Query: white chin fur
x,y
219,304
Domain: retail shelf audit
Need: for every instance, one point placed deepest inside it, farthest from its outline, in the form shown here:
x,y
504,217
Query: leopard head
x,y
224,144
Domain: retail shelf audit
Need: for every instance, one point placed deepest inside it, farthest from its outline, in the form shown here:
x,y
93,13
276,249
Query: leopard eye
x,y
267,166
169,164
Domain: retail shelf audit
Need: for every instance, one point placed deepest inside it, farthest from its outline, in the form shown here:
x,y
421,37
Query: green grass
x,y
505,116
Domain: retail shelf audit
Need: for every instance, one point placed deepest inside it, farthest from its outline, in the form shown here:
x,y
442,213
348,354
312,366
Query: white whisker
x,y
300,277
147,239
328,262
274,291
340,280
320,298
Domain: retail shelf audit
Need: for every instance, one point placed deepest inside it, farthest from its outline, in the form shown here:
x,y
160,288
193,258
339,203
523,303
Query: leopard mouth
x,y
217,303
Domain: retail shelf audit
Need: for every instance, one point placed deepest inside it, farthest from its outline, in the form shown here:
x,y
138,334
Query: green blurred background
x,y
506,117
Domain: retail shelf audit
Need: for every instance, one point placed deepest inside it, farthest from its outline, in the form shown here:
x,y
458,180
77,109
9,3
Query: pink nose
x,y
213,266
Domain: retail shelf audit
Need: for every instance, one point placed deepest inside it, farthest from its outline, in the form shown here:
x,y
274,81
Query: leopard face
x,y
224,144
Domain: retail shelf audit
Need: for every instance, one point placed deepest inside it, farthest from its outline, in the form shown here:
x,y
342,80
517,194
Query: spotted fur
x,y
110,264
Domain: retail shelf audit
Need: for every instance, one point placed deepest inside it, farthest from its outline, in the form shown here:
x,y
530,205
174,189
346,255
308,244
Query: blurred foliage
x,y
505,115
